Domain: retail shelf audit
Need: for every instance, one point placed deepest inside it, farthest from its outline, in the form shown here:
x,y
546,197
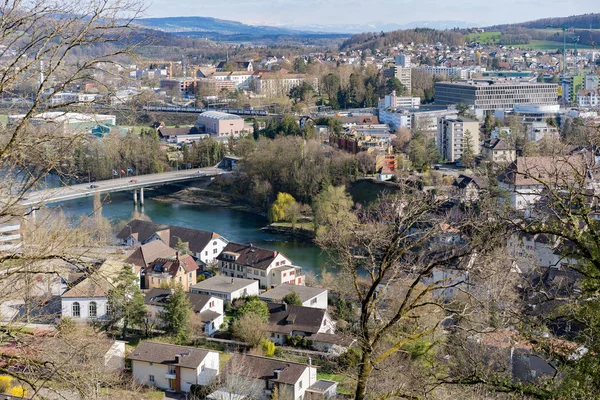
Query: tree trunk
x,y
363,375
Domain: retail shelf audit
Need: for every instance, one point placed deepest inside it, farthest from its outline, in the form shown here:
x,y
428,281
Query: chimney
x,y
309,361
177,255
277,373
178,358
284,306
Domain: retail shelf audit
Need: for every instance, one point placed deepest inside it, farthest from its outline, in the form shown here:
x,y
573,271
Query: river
x,y
236,226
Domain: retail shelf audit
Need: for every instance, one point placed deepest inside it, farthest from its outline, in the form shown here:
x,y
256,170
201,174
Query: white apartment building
x,y
10,235
278,84
588,98
452,137
394,101
536,131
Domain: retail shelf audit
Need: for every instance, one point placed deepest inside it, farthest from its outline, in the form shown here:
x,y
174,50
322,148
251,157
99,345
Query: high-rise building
x,y
405,78
403,61
495,95
453,135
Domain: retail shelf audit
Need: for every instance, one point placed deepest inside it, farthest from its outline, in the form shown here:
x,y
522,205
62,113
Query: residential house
x,y
208,308
270,268
321,390
309,296
171,367
291,379
538,251
498,151
147,253
468,188
524,179
87,299
226,288
168,271
289,320
536,131
205,246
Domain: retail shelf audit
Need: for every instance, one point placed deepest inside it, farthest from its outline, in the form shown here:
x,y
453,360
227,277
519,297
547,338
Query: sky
x,y
336,12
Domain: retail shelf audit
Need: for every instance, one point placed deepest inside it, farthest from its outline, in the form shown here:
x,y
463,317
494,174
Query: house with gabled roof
x,y
498,151
289,320
87,300
180,270
204,245
147,253
208,309
269,267
171,367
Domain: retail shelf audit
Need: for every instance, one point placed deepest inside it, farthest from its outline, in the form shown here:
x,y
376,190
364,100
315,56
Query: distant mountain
x,y
385,27
214,26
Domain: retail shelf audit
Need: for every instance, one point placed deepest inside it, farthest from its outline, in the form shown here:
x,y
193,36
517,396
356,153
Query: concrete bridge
x,y
135,184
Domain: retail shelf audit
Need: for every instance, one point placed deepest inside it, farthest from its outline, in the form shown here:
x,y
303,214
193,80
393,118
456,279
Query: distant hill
x,y
583,21
379,27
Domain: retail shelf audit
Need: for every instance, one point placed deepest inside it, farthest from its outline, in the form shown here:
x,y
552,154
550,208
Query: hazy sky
x,y
325,12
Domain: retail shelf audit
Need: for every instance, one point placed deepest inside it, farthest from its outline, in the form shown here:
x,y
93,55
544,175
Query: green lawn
x,y
3,119
484,38
549,45
346,385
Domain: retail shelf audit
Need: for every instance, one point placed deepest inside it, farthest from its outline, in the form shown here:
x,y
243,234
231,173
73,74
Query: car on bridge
x,y
133,181
93,186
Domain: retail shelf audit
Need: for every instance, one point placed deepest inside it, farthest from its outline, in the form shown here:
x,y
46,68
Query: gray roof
x,y
264,368
219,115
223,284
279,292
160,297
284,318
162,353
322,386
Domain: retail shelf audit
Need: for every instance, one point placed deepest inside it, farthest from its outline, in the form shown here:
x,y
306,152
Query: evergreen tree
x,y
126,301
177,314
468,155
255,129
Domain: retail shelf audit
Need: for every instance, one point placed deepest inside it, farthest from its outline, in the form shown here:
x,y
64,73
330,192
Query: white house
x,y
171,367
270,268
289,320
88,299
205,246
226,288
291,379
309,296
534,251
208,308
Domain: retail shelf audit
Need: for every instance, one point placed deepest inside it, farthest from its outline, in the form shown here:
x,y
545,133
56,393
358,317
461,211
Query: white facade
x,y
536,131
10,236
530,252
212,250
163,376
267,278
521,197
82,309
588,98
396,120
220,290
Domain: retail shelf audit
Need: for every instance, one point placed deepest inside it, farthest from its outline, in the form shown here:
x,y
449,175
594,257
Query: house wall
x,y
521,197
114,359
286,276
319,301
84,307
250,290
141,371
217,322
185,279
212,250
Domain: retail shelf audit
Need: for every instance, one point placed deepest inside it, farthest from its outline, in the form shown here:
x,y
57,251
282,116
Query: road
x,y
117,185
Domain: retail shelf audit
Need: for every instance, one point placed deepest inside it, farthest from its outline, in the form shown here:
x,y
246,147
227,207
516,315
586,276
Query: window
x,y
151,378
215,251
190,275
215,243
206,253
300,385
93,309
180,279
76,310
313,300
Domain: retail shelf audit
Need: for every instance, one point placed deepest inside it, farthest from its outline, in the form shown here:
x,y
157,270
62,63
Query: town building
x,y
588,98
226,288
524,179
287,320
10,235
180,86
220,124
394,101
171,367
309,296
147,253
274,84
453,72
536,131
87,300
493,95
291,379
270,268
180,270
204,245
452,137
468,189
66,122
498,151
209,309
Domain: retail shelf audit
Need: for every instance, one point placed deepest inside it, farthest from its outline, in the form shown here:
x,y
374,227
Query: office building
x,y
494,95
452,137
403,61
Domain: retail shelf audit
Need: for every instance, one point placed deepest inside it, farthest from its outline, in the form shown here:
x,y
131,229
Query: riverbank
x,y
205,197
301,231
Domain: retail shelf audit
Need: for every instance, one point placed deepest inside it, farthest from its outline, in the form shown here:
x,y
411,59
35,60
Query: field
x,y
484,38
549,45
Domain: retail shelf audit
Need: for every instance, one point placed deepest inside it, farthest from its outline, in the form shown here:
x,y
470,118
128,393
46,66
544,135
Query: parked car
x,y
133,181
93,186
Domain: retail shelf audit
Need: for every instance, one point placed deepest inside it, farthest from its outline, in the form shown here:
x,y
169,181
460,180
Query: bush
x,y
17,391
200,278
297,341
268,347
350,359
5,383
